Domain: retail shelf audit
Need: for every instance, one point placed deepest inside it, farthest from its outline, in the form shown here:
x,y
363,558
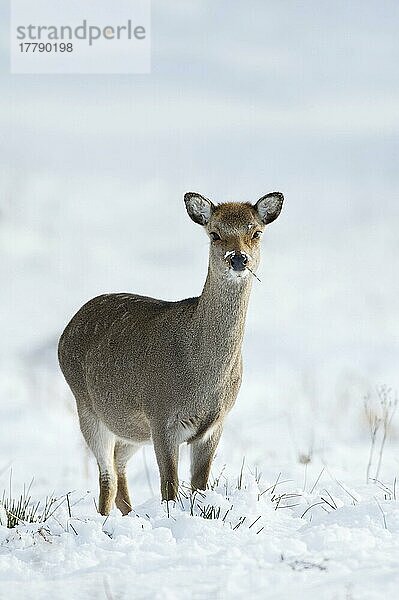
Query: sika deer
x,y
145,370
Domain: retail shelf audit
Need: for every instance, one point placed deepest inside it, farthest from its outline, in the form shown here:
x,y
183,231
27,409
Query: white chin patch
x,y
237,275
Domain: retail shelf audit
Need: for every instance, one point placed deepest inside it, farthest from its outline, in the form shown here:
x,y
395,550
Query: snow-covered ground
x,y
350,551
301,519
297,97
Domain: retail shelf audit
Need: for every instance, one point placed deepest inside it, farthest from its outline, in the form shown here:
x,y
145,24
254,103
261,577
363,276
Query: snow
x,y
92,181
149,553
293,527
3,515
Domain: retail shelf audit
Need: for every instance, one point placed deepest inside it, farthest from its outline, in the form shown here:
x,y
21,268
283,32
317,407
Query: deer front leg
x,y
202,453
122,453
167,453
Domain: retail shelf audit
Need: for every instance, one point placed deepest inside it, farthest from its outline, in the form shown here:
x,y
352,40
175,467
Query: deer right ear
x,y
198,207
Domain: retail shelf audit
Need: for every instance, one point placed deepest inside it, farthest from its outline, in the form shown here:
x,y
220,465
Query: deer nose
x,y
238,261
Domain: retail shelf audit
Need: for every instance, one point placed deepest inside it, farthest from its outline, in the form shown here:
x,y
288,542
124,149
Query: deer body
x,y
145,370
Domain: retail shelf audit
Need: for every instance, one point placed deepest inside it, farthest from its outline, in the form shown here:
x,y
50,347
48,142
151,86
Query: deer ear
x,y
269,207
198,207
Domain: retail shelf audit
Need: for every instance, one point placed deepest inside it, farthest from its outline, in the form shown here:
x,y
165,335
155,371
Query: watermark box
x,y
80,36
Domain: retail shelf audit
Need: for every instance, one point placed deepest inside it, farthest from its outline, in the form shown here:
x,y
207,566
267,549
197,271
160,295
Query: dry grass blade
x,y
240,522
332,499
254,274
310,507
379,418
317,481
256,520
388,405
239,481
382,512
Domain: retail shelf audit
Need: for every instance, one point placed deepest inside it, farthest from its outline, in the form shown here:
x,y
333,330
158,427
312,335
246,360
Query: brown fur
x,y
144,370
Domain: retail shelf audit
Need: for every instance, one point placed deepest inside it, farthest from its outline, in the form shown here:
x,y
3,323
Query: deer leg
x,y
101,442
202,453
104,452
122,453
167,453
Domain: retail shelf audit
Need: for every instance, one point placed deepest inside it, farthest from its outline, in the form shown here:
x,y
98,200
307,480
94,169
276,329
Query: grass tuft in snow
x,y
379,415
23,509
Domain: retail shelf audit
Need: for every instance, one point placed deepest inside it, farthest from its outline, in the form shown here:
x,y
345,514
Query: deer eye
x,y
214,236
256,235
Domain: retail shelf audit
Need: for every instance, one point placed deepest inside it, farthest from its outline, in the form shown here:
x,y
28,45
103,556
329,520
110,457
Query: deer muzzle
x,y
237,260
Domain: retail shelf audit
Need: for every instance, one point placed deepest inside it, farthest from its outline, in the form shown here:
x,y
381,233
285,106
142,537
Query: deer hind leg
x,y
122,453
202,453
101,442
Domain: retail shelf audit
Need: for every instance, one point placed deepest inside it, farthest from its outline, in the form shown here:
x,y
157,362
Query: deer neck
x,y
222,309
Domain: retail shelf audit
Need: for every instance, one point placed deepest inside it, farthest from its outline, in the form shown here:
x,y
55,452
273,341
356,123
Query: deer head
x,y
235,230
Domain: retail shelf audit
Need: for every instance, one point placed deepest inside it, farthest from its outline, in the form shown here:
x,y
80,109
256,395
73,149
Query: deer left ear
x,y
269,207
